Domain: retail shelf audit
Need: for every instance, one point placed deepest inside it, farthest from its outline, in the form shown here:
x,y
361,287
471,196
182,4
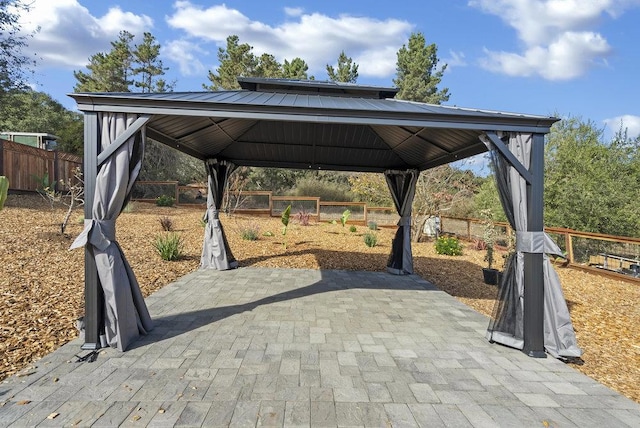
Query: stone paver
x,y
296,348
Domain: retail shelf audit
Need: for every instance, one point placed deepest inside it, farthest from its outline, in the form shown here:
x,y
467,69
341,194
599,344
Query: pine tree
x,y
417,75
347,71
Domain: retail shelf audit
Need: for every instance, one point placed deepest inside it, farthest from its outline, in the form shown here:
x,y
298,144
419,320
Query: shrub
x,y
250,233
166,223
130,207
165,201
373,225
169,246
448,246
352,229
325,190
303,217
370,239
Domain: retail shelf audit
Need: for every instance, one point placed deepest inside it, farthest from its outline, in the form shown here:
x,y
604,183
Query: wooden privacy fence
x,y
26,166
609,255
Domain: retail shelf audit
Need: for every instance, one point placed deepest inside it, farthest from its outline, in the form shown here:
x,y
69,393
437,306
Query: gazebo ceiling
x,y
317,125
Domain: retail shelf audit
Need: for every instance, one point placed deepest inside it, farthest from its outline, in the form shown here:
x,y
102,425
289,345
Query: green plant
x,y
250,233
449,246
489,236
373,225
284,218
4,190
165,201
303,217
353,229
130,207
166,223
345,217
370,239
267,233
169,246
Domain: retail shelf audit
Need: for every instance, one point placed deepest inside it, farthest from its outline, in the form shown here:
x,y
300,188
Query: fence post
x,y
468,230
569,245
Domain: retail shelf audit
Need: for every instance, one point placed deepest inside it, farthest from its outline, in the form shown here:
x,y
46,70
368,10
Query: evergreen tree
x,y
237,60
108,72
347,71
268,67
14,65
296,69
417,75
149,66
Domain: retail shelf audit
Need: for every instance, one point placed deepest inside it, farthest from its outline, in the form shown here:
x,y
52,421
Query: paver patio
x,y
287,347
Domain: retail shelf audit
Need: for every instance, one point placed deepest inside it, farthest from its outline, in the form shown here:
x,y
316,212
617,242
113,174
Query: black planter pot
x,y
490,276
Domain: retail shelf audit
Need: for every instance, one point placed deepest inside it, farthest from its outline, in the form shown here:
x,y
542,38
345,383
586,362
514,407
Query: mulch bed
x,y
41,284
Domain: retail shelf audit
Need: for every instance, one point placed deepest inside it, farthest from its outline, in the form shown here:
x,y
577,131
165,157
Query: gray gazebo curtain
x,y
125,313
216,253
402,185
507,323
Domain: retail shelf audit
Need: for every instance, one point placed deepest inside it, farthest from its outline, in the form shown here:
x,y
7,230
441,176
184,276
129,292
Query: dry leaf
x,y
23,402
136,418
161,410
53,415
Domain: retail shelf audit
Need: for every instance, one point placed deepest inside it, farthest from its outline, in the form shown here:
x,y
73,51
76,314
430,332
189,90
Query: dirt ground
x,y
41,281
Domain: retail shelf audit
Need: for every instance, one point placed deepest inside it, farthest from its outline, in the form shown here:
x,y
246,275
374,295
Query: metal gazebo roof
x,y
313,125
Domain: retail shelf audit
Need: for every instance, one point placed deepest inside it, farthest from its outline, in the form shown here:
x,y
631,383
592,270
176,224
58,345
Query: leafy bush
x,y
373,225
250,233
165,201
370,239
448,246
325,190
353,229
169,246
166,223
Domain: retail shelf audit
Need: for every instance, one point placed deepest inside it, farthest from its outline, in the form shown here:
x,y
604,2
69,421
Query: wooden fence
x,y
27,166
608,255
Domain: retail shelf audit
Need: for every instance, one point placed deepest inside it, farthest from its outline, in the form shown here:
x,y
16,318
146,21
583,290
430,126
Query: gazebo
x,y
314,125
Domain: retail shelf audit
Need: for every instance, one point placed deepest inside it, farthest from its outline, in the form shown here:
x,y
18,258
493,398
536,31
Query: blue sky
x,y
548,57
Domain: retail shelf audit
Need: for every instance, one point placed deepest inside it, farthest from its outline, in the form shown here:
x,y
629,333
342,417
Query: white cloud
x,y
293,11
566,58
628,121
455,59
187,55
67,34
316,38
558,35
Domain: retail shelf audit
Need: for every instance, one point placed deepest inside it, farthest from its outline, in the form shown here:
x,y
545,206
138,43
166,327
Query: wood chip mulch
x,y
41,281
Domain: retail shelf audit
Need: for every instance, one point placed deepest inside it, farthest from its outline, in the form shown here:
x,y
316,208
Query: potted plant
x,y
489,274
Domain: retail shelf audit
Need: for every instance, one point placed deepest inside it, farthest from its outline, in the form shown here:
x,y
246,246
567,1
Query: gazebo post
x,y
93,297
533,262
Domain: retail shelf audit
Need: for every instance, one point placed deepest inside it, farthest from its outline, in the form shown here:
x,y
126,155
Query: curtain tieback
x,y
405,221
99,233
536,242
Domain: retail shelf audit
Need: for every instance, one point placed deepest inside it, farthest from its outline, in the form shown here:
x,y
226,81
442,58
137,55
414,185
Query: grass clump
x,y
165,201
353,229
370,239
373,225
250,233
449,246
166,223
169,246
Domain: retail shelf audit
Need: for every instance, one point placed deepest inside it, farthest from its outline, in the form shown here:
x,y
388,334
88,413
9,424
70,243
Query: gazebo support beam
x,y
93,297
533,262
